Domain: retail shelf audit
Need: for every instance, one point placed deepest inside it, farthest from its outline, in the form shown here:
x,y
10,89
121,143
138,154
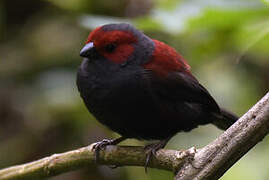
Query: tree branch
x,y
83,157
210,162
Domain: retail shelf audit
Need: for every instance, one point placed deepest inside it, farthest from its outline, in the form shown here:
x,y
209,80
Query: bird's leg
x,y
105,142
151,150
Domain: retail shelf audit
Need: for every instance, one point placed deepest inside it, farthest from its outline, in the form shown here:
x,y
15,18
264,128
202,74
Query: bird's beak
x,y
86,50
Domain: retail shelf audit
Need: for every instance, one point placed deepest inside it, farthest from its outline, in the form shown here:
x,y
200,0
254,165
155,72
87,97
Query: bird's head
x,y
121,43
117,43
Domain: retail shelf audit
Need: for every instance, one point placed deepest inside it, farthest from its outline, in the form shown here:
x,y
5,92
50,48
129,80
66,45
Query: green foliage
x,y
167,4
76,5
148,24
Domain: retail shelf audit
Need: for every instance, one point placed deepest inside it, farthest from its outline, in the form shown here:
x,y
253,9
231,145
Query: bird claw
x,y
100,146
151,150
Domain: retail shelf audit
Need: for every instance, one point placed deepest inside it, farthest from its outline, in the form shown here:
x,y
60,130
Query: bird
x,y
142,88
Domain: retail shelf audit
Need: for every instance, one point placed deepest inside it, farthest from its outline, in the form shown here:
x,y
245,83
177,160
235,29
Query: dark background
x,y
41,113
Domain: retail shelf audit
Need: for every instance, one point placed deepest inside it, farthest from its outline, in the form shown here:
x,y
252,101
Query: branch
x,y
83,157
210,162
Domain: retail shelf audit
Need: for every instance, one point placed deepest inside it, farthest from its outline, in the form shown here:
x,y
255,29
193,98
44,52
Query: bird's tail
x,y
225,119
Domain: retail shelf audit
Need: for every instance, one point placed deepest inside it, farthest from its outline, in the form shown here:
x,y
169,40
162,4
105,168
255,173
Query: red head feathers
x,y
120,42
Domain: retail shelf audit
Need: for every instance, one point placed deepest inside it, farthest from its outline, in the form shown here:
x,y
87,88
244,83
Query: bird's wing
x,y
182,87
170,77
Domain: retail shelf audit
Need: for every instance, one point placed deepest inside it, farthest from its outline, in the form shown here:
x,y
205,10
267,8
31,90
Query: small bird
x,y
142,88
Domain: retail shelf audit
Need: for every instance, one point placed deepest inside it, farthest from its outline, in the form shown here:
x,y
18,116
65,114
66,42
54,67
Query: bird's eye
x,y
110,47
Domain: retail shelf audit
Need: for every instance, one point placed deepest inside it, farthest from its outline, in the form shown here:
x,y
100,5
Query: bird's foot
x,y
102,144
151,150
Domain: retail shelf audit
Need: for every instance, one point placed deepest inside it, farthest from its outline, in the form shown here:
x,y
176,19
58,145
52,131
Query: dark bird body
x,y
142,88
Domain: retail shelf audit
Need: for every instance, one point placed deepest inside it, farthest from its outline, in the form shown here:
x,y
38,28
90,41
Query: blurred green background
x,y
41,113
